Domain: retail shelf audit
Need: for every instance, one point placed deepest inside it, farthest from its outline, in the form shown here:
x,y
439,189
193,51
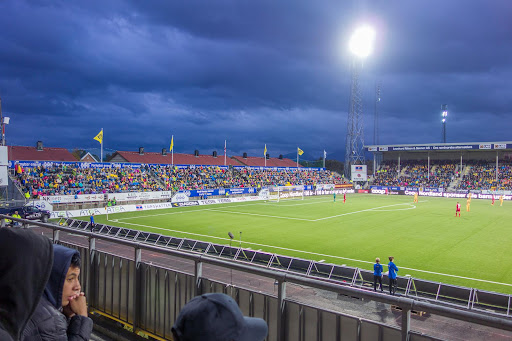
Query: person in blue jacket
x,y
377,274
62,311
392,275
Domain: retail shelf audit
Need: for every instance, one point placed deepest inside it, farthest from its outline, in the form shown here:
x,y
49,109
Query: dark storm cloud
x,y
253,73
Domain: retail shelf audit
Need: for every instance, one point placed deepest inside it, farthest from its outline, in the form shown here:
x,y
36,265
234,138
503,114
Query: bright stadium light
x,y
361,42
444,114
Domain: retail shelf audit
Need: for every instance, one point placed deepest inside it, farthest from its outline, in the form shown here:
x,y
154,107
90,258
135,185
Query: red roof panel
x,y
260,162
179,159
20,153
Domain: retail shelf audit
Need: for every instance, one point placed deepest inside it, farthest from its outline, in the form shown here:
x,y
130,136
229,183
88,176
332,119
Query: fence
x,y
148,297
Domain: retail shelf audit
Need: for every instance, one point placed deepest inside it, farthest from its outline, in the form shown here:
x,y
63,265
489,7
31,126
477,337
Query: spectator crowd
x,y
70,180
443,174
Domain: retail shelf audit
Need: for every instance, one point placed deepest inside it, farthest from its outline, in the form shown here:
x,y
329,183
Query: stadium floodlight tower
x,y
444,109
361,46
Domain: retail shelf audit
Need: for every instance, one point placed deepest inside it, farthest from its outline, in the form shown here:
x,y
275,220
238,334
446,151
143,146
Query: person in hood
x,y
62,312
25,262
216,317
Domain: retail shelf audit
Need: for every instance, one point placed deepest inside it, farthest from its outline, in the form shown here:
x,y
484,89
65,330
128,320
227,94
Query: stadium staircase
x,y
14,190
155,177
456,181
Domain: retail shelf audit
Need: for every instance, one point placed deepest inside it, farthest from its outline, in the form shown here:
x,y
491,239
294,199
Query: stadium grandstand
x,y
449,167
151,172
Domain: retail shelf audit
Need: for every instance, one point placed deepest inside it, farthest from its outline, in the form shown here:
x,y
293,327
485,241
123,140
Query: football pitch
x,y
426,238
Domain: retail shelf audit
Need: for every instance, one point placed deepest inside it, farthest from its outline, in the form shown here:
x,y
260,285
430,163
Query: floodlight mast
x,y
361,46
444,114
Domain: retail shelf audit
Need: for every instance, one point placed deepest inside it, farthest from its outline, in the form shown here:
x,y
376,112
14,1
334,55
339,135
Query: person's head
x,y
25,262
16,212
64,279
216,317
377,260
391,258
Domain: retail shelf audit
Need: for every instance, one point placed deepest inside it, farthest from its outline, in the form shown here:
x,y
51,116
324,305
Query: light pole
x,y
361,46
444,114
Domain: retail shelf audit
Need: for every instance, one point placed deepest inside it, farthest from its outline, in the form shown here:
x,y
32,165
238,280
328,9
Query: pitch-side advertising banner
x,y
67,199
358,173
146,207
133,196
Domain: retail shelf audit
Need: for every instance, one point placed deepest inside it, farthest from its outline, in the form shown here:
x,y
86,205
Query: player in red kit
x,y
457,209
492,203
344,197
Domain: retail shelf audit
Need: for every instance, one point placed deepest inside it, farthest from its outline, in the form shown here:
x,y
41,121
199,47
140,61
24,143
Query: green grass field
x,y
426,239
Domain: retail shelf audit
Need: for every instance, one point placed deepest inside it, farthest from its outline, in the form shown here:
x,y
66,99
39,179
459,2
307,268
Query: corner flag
x,y
300,151
99,137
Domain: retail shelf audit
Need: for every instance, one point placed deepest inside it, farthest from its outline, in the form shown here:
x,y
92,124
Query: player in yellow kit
x,y
501,200
468,203
415,197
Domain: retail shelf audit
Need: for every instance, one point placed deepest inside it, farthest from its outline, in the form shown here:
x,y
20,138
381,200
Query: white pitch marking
x,y
324,255
272,216
258,215
354,212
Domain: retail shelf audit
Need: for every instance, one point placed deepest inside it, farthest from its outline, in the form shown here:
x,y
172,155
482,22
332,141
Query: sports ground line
x,y
309,220
273,216
323,255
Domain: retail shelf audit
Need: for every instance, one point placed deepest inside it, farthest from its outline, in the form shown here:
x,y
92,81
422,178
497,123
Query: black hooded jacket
x,y
25,262
48,322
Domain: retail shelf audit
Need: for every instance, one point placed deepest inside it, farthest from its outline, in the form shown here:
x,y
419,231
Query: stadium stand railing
x,y
148,297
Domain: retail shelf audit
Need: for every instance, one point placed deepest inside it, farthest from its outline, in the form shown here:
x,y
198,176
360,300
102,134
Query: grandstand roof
x,y
260,162
179,159
20,153
442,147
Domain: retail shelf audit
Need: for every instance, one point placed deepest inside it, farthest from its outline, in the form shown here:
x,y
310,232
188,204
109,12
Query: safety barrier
x,y
148,297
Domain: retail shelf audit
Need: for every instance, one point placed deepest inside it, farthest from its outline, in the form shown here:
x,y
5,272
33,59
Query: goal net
x,y
278,193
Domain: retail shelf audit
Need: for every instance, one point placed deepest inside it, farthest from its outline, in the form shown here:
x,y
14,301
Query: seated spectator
x,y
216,317
62,312
25,262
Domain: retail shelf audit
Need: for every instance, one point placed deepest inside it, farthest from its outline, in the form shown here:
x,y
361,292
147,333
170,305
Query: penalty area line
x,y
324,255
367,210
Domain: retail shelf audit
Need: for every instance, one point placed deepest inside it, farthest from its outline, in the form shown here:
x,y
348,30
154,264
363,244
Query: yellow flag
x,y
99,137
300,151
265,151
172,143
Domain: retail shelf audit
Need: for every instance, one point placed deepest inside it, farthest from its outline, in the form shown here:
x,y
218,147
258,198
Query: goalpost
x,y
278,193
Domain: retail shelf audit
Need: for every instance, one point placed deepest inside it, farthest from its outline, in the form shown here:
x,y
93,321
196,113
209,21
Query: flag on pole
x,y
265,151
224,152
172,143
300,151
325,154
99,137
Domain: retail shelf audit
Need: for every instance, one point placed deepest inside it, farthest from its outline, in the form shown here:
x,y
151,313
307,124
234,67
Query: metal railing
x,y
416,288
148,297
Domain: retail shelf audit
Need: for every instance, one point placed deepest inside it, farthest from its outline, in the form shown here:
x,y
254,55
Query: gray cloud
x,y
250,72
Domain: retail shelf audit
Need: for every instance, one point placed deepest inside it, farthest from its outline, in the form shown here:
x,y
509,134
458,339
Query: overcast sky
x,y
251,72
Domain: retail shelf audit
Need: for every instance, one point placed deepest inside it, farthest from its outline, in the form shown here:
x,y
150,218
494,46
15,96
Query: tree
x,y
77,153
